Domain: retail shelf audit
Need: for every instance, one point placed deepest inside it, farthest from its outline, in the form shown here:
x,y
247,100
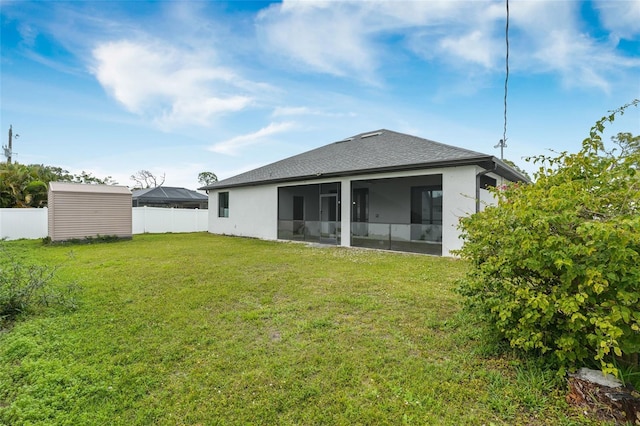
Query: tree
x,y
207,178
627,142
145,179
52,174
21,186
85,177
27,185
518,168
555,265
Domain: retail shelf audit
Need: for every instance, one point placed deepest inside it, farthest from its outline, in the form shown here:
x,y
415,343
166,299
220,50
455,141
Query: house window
x,y
223,204
426,205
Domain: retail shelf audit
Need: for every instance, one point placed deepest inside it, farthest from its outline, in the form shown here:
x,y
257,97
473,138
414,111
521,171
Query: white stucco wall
x,y
253,212
486,199
345,212
390,201
459,200
387,204
311,202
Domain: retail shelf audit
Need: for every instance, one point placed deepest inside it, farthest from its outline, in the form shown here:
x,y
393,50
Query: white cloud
x,y
233,145
574,57
476,47
551,41
350,38
280,111
172,86
347,38
288,111
622,17
320,35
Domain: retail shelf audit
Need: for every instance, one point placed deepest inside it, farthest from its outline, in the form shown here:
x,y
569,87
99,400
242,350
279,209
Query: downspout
x,y
478,176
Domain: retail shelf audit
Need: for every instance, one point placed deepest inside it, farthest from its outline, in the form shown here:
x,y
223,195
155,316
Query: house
x,y
78,210
380,189
167,196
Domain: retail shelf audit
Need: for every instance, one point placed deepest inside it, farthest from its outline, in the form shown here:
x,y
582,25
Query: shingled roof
x,y
167,194
371,152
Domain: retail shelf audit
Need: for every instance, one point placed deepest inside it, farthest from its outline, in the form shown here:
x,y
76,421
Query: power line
x,y
506,77
503,142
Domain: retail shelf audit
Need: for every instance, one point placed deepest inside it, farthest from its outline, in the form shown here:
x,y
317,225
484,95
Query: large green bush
x,y
556,264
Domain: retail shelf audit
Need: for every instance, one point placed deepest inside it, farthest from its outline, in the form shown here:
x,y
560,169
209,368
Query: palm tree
x,y
21,186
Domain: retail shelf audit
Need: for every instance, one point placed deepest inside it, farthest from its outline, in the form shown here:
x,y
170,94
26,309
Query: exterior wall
x,y
253,212
486,197
390,200
387,204
80,211
459,200
311,196
345,212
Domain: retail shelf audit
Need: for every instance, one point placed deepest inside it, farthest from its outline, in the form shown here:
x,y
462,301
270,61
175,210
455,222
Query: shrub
x,y
556,264
25,287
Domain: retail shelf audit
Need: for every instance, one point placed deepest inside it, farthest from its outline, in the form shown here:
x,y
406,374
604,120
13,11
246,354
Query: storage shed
x,y
79,210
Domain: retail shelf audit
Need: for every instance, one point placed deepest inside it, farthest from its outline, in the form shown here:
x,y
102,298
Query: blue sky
x,y
178,88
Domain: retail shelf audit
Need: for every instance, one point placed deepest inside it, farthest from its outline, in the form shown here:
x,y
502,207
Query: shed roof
x,y
88,188
168,193
371,152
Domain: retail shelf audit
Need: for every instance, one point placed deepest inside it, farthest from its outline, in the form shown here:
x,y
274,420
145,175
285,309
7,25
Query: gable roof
x,y
167,194
371,152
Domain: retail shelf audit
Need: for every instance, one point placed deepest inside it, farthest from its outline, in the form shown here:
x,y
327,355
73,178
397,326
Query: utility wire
x,y
506,84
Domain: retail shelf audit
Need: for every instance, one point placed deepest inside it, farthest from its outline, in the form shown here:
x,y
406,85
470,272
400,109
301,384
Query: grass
x,y
198,329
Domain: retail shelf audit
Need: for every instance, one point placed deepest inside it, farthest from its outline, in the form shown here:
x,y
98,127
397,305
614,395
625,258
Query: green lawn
x,y
198,329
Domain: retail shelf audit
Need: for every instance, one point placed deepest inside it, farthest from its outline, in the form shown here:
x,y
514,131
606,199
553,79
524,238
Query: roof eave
x,y
505,170
482,161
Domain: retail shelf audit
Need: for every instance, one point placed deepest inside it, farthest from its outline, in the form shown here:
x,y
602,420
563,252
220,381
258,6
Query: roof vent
x,y
368,135
345,140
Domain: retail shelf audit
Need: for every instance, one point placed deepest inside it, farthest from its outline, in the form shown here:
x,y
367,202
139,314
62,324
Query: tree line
x,y
26,185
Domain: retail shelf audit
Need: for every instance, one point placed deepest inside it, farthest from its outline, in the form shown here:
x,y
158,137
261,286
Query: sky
x,y
183,87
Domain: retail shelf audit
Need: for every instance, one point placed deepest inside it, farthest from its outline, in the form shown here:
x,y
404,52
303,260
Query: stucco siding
x,y
390,198
345,212
253,212
311,202
486,197
459,200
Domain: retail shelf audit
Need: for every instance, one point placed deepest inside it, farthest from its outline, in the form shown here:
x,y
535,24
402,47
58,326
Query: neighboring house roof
x,y
167,194
371,152
87,188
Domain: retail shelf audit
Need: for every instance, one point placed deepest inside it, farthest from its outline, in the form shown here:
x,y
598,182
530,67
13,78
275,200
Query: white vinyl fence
x,y
16,224
157,220
23,223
